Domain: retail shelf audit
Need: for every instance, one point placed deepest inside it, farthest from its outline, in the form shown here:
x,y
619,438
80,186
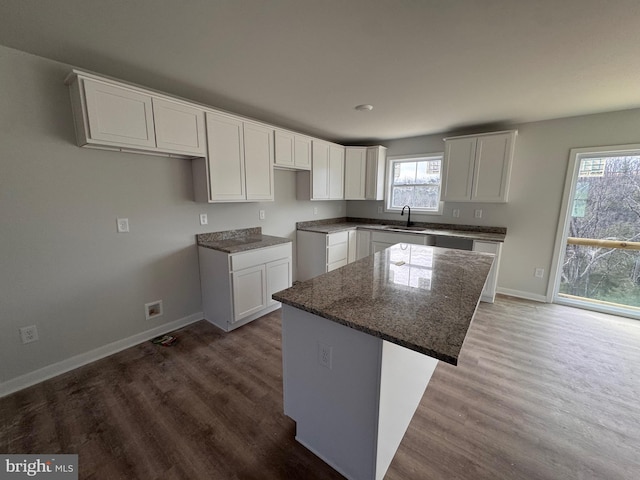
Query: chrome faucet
x,y
409,222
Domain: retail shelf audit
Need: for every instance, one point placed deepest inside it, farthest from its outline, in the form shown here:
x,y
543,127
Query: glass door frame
x,y
562,233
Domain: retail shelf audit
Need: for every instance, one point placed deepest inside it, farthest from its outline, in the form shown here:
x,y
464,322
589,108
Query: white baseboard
x,y
520,294
72,363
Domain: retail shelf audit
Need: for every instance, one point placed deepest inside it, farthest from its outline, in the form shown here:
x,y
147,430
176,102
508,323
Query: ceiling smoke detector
x,y
364,108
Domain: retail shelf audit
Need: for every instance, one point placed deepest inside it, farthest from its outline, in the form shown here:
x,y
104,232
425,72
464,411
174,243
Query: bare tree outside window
x,y
416,182
606,206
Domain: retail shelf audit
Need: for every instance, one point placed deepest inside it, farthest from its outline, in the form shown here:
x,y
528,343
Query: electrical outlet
x,y
29,334
153,309
325,352
456,213
477,213
261,214
315,210
538,273
123,225
203,219
379,209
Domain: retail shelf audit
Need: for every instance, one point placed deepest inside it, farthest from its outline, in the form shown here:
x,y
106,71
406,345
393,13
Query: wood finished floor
x,y
540,392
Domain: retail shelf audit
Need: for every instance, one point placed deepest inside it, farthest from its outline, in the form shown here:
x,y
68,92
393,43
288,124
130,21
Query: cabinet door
x,y
278,278
489,290
302,152
379,246
336,172
320,171
226,158
258,159
492,168
458,169
118,116
179,128
376,162
284,145
352,250
363,244
355,165
249,291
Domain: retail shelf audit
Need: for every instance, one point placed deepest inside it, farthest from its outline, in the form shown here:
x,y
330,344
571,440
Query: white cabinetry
x,y
364,173
477,168
363,243
319,253
489,291
117,116
355,173
258,159
292,150
239,166
179,127
382,240
237,288
376,163
326,179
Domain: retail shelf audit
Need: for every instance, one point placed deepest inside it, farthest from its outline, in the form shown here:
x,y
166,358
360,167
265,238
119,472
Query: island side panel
x,y
336,410
405,375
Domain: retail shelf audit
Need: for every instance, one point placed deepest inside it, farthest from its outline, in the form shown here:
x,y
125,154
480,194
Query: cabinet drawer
x,y
338,237
259,256
335,265
337,253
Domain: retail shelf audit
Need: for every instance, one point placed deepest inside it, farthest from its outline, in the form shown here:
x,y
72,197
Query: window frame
x,y
389,182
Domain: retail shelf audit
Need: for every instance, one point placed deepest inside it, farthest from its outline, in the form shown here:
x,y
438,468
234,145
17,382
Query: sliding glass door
x,y
599,263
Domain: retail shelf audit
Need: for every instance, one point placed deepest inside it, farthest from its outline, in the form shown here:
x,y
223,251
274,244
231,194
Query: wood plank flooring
x,y
540,392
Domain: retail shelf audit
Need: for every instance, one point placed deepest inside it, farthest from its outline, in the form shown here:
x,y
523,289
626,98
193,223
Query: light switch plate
x,y
123,225
262,214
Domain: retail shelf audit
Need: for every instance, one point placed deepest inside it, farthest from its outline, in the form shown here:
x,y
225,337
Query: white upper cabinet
x,y
376,163
302,152
118,116
225,136
364,173
239,166
355,173
477,168
258,159
292,151
108,115
336,172
284,149
326,179
179,128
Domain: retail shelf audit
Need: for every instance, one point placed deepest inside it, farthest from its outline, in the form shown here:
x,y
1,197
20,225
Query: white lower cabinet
x,y
319,253
237,288
489,291
382,240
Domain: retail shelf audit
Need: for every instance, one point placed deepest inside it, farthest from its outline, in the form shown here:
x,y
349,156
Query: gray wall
x,y
63,267
537,183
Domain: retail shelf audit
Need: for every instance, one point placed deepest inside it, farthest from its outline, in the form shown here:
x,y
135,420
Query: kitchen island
x,y
360,344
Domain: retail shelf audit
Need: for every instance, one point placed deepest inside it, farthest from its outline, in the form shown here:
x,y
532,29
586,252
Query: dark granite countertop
x,y
235,241
422,298
472,232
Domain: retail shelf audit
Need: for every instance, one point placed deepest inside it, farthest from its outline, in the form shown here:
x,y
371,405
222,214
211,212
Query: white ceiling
x,y
427,66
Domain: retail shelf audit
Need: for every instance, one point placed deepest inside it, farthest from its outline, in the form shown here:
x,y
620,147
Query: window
x,y
415,181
